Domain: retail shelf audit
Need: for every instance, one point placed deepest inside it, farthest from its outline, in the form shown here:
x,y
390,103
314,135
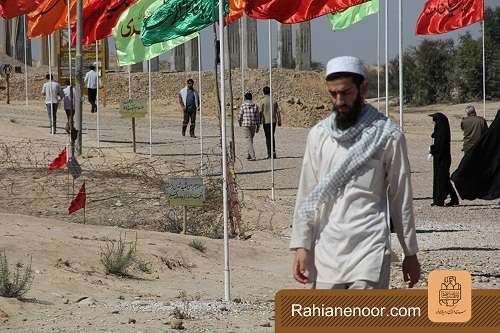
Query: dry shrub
x,y
14,284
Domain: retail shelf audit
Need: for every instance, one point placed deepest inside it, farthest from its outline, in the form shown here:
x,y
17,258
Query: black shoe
x,y
452,203
439,205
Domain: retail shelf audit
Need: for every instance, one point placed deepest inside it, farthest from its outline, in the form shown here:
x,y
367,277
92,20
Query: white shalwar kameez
x,y
351,235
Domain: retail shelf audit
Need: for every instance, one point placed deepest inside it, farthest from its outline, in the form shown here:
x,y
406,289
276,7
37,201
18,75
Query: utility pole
x,y
79,75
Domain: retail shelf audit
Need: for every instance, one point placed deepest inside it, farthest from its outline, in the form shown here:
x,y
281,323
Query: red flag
x,y
236,10
60,161
287,11
79,201
440,16
13,8
100,17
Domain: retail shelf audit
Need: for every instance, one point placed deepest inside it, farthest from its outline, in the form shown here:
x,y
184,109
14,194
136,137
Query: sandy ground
x,y
65,253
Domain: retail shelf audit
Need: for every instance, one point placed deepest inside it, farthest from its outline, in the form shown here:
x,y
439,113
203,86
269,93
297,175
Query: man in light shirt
x,y
355,164
91,83
53,93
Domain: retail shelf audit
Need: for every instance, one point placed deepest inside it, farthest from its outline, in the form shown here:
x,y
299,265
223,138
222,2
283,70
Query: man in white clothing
x,y
91,83
53,94
355,164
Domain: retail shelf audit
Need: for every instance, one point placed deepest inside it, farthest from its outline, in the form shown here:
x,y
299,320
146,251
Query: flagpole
x,y
378,59
52,127
241,60
271,106
25,59
72,97
150,112
227,291
201,101
484,72
69,43
97,95
129,84
386,58
401,92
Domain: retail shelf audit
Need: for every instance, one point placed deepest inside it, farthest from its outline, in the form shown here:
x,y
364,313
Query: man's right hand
x,y
184,109
299,266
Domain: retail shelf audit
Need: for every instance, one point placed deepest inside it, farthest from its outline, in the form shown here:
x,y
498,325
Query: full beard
x,y
347,119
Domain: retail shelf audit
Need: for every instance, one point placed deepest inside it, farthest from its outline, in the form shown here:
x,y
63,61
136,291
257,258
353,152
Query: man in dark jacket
x,y
473,127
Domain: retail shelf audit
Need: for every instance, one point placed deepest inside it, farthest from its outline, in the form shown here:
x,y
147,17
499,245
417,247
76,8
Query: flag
x,y
286,11
352,15
236,10
13,8
99,18
128,44
74,168
178,18
441,16
60,161
79,201
49,16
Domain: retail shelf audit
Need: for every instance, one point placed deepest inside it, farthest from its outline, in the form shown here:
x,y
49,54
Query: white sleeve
x,y
302,232
401,195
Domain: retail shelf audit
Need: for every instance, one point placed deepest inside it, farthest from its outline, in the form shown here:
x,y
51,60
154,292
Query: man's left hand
x,y
411,270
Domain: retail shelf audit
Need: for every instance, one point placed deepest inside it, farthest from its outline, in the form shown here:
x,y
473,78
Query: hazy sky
x,y
358,40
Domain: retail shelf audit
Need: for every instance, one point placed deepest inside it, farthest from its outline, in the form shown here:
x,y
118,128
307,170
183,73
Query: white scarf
x,y
369,135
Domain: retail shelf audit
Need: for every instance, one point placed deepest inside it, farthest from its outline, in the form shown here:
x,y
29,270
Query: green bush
x,y
117,257
14,284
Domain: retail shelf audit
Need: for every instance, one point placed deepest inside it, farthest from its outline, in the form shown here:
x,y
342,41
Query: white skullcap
x,y
345,64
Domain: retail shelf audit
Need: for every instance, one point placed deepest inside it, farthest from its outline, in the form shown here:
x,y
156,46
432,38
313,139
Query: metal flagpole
x,y
401,92
241,60
386,58
78,62
271,105
227,290
129,84
378,59
150,112
25,59
484,73
97,95
201,101
52,127
69,44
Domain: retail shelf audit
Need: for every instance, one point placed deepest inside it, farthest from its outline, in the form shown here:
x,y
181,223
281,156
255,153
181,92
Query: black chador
x,y
478,175
440,150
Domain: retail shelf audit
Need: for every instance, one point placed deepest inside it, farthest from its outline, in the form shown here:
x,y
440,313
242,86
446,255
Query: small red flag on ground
x,y
79,201
60,161
444,16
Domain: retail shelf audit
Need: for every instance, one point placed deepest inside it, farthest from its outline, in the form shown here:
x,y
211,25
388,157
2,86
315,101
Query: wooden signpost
x,y
132,108
185,191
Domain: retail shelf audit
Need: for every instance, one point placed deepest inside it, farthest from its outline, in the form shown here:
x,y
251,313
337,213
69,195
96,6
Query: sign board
x,y
133,108
185,191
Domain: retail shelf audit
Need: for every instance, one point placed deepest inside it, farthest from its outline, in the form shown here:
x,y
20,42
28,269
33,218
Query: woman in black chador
x,y
440,150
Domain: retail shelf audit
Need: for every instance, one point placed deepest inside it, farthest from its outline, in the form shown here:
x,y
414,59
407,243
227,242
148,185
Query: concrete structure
x,y
191,49
233,46
12,39
249,47
285,48
155,65
303,47
178,59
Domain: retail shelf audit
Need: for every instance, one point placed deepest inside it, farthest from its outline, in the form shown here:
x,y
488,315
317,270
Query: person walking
x,y
441,159
189,101
473,127
249,119
265,120
355,164
91,84
52,92
69,105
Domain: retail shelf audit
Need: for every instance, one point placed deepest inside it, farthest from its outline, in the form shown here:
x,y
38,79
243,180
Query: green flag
x,y
128,44
353,15
177,18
